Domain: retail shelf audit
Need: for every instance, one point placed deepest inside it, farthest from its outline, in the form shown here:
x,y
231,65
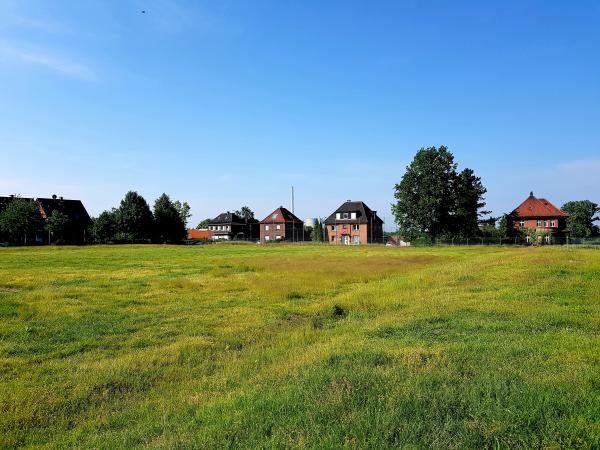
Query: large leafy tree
x,y
245,213
468,194
169,225
20,221
425,195
434,200
582,215
183,208
135,220
105,226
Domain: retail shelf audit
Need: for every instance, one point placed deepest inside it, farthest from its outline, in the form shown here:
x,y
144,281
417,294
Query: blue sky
x,y
227,103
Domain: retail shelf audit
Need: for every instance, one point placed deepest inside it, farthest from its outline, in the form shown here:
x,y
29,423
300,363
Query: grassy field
x,y
299,346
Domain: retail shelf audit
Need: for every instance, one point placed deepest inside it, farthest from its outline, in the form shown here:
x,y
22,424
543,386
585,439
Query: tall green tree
x,y
434,200
582,215
57,225
105,226
245,213
184,211
317,231
20,221
468,194
168,223
135,220
425,195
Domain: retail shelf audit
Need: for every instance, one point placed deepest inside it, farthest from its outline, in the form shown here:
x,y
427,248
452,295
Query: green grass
x,y
299,346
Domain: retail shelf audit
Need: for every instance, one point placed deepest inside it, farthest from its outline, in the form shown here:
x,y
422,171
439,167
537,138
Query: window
x,y
345,216
553,223
353,215
547,223
267,238
277,237
266,227
355,240
278,227
332,227
356,227
539,223
332,238
521,223
338,216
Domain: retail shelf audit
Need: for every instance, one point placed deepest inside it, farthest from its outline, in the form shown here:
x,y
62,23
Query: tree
x,y
317,231
425,195
135,220
203,225
20,221
104,227
582,215
433,200
468,193
169,225
184,211
57,225
245,213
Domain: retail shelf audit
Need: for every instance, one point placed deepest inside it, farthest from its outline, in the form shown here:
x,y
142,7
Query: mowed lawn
x,y
301,346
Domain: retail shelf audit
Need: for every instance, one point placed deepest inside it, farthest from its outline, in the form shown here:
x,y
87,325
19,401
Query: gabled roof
x,y
280,215
231,218
537,207
364,214
72,208
5,201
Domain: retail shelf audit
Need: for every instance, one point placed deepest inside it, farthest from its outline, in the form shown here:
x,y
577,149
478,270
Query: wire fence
x,y
395,242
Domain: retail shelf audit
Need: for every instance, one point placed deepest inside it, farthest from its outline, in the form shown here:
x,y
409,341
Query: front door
x,y
346,239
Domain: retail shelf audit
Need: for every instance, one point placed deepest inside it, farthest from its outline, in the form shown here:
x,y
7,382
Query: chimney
x,y
61,198
531,193
348,201
53,196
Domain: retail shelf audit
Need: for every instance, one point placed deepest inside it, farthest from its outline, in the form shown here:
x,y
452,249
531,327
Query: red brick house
x,y
354,223
540,214
281,225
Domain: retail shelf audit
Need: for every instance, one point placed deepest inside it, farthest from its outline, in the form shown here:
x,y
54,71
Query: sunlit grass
x,y
299,346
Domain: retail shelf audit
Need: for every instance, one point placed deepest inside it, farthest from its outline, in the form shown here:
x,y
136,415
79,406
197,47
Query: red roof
x,y
197,234
537,207
280,215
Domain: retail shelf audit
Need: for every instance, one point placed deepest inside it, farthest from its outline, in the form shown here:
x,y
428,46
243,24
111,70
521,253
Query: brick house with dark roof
x,y
354,223
281,225
230,226
540,214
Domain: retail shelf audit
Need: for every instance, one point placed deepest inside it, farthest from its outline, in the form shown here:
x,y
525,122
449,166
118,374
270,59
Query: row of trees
x,y
435,200
133,221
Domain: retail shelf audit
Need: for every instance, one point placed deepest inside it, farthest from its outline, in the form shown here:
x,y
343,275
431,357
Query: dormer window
x,y
338,216
353,215
345,215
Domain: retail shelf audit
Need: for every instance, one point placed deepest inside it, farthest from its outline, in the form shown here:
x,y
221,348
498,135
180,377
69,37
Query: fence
x,y
474,241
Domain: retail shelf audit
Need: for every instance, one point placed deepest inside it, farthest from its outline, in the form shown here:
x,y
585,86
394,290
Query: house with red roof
x,y
281,225
540,214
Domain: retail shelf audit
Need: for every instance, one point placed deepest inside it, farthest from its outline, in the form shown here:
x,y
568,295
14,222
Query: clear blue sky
x,y
226,103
